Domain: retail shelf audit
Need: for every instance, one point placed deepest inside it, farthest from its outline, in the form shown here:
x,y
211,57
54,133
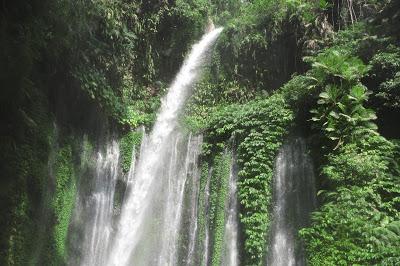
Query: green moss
x,y
24,155
86,152
17,242
129,142
219,194
64,198
219,170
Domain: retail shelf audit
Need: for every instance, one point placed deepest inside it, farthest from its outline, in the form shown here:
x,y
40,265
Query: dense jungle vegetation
x,y
77,71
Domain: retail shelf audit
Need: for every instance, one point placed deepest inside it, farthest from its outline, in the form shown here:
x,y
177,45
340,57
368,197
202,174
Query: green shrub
x,y
64,198
259,127
129,142
363,202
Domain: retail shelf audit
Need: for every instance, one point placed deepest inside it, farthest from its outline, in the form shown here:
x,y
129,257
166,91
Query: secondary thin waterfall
x,y
206,242
94,207
294,199
194,191
102,203
173,211
148,228
231,254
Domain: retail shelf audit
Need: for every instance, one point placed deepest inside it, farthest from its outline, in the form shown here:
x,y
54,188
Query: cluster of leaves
x,y
131,51
214,180
129,143
218,194
261,48
259,127
17,242
358,222
376,46
209,96
24,144
64,198
341,113
386,69
359,178
346,13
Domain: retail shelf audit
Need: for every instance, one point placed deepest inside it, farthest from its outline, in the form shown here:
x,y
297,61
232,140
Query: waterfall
x,y
101,204
231,255
149,216
94,208
294,199
219,242
173,211
206,242
193,217
148,228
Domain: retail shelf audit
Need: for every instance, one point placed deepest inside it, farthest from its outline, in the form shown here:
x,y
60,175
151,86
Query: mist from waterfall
x,y
294,199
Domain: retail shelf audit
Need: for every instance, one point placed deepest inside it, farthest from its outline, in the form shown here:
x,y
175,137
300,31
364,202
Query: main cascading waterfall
x,y
147,232
294,199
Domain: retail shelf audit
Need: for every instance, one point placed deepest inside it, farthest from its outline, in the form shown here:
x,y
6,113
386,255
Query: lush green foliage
x,y
64,198
218,196
75,62
129,142
341,112
333,88
258,127
24,156
386,68
125,85
71,61
259,49
215,175
17,240
358,222
355,172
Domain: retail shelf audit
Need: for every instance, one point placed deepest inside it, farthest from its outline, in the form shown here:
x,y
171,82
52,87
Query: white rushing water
x,y
173,212
231,253
150,218
294,199
207,203
95,207
193,217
